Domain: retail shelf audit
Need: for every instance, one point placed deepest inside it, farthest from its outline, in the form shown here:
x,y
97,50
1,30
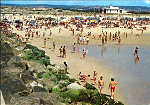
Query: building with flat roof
x,y
114,10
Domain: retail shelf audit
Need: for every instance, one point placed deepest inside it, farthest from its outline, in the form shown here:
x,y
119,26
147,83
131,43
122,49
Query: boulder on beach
x,y
75,86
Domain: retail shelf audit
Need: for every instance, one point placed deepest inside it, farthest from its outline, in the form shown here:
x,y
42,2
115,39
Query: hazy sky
x,y
81,2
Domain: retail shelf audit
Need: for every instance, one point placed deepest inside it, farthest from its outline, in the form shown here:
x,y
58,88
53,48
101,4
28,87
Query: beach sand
x,y
75,61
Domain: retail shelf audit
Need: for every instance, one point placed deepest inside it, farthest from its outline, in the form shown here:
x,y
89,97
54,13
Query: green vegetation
x,y
89,95
34,54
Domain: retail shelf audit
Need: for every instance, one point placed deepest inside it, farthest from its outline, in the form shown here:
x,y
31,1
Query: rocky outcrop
x,y
36,98
10,84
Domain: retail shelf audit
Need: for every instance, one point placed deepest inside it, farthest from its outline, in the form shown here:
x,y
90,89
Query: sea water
x,y
133,77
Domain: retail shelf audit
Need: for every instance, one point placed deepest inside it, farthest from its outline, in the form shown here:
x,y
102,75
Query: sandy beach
x,y
75,61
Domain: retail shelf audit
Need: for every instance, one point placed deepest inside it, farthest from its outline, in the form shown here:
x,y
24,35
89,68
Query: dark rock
x,y
27,78
10,84
38,89
35,98
6,53
15,61
36,67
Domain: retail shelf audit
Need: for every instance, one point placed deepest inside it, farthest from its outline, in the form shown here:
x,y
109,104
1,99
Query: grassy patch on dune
x,y
36,55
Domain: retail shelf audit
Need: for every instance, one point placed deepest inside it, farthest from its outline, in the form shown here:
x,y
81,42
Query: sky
x,y
82,2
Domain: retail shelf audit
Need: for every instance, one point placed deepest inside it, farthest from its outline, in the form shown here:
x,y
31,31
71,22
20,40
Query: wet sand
x,y
132,78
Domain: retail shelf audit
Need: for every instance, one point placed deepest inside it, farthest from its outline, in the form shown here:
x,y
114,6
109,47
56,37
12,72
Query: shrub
x,y
72,94
83,96
46,75
72,80
37,54
89,86
55,90
50,69
64,84
65,77
46,62
39,76
47,57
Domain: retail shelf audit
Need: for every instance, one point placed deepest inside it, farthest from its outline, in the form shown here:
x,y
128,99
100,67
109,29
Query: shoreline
x,y
76,65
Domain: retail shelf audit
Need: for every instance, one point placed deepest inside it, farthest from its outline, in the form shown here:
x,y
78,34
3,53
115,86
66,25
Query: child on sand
x,y
112,87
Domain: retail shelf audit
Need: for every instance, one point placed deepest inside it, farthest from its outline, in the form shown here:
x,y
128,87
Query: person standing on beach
x,y
112,87
84,39
44,42
61,51
83,53
94,77
73,32
119,40
59,30
126,34
106,38
66,67
87,40
110,36
100,84
54,45
43,34
74,48
32,35
80,38
36,34
64,52
136,51
103,40
50,33
136,56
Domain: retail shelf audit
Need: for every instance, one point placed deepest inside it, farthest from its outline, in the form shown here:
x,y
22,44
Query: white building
x,y
114,10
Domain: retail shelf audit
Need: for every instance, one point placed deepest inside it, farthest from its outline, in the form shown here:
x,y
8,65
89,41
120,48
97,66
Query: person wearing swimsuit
x,y
100,84
61,51
112,87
